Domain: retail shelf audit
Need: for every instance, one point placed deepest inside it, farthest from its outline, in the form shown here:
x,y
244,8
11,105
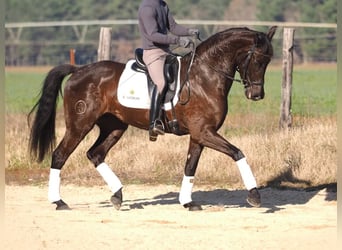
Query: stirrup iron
x,y
158,127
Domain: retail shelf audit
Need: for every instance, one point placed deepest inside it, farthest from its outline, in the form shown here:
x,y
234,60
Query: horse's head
x,y
252,60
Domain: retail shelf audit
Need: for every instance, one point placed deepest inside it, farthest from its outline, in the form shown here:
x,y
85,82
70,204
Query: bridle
x,y
243,79
247,83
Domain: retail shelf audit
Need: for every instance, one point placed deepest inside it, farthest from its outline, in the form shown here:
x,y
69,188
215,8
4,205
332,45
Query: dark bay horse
x,y
90,98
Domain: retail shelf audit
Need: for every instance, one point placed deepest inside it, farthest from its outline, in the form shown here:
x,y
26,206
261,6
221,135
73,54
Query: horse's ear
x,y
271,32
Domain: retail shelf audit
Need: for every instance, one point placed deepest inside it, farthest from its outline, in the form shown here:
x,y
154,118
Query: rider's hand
x,y
184,42
193,32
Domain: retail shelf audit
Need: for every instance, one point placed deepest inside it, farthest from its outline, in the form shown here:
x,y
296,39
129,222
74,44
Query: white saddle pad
x,y
133,89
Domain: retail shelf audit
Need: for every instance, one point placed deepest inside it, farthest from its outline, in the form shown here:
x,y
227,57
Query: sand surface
x,y
152,218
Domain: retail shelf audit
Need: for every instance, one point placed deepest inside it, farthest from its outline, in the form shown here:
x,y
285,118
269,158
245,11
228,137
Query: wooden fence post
x,y
104,50
286,91
72,56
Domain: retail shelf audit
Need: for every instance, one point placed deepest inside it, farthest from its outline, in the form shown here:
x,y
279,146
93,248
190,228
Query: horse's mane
x,y
228,32
218,41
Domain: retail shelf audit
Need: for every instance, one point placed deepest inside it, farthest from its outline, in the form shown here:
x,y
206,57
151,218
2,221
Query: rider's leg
x,y
155,60
156,125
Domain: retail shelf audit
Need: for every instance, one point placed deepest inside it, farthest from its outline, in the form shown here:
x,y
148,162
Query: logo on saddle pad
x,y
133,90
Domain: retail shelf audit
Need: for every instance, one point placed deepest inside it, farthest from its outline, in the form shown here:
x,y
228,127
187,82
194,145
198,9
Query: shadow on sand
x,y
284,189
272,198
280,191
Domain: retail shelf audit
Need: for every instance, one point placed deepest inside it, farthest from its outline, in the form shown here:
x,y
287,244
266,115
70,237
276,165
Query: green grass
x,y
314,93
21,90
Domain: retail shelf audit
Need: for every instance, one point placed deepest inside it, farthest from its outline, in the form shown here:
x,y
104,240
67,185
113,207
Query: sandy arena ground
x,y
151,218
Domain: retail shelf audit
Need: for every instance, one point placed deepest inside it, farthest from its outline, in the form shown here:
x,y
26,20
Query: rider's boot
x,y
156,124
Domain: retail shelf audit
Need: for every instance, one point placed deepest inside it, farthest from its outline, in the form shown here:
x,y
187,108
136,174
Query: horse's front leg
x,y
194,153
215,141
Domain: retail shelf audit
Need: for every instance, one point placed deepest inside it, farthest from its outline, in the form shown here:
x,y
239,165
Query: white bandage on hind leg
x,y
109,177
246,174
54,185
186,190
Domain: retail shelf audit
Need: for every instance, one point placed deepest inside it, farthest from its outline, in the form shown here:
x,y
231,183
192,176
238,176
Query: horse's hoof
x,y
253,198
116,199
61,205
192,206
153,138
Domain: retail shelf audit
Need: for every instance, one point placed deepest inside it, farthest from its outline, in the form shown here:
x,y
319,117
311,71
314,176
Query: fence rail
x,y
23,49
190,22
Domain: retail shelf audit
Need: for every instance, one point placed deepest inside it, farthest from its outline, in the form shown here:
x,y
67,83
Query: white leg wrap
x,y
246,174
109,177
186,190
54,185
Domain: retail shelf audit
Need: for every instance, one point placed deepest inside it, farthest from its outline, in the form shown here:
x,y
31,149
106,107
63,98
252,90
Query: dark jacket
x,y
155,21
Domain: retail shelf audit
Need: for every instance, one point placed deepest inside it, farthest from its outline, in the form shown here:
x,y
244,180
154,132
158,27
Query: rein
x,y
186,82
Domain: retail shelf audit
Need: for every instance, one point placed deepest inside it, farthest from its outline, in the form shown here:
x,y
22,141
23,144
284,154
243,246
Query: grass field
x,y
314,91
306,155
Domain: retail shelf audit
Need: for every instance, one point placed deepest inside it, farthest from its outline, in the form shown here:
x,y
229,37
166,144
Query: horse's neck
x,y
223,67
213,77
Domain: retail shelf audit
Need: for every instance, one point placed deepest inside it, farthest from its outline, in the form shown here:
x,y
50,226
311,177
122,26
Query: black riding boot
x,y
156,124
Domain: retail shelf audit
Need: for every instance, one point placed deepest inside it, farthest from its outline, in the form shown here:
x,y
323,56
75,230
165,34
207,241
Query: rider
x,y
155,21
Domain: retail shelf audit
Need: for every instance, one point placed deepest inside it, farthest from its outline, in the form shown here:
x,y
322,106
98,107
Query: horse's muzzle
x,y
255,92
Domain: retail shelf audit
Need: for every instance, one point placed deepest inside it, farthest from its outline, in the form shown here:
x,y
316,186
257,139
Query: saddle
x,y
170,73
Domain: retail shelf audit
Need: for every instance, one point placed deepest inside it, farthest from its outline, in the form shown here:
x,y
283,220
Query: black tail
x,y
42,137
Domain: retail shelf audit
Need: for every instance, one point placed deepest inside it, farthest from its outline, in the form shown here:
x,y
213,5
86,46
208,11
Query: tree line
x,y
35,45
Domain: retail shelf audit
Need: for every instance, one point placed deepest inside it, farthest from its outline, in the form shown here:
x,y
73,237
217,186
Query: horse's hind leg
x,y
111,130
194,153
68,144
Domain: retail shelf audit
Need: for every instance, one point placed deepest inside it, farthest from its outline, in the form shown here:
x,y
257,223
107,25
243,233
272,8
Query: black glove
x,y
184,42
193,32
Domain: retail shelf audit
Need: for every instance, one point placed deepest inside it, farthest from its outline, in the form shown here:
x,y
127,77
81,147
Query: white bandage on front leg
x,y
109,177
246,174
186,190
54,185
